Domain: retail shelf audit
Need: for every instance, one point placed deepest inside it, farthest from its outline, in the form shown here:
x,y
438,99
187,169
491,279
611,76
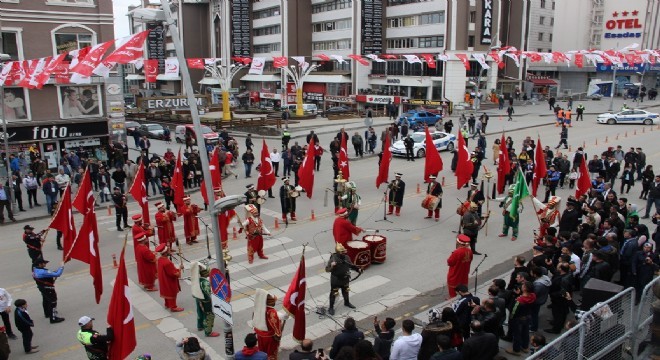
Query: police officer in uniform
x,y
95,344
397,189
34,243
409,143
339,266
252,196
121,210
45,280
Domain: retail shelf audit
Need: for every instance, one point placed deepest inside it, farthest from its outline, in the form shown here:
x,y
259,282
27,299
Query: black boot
x,y
331,308
347,303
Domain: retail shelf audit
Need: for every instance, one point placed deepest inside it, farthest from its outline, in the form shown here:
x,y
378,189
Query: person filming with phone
x,y
306,352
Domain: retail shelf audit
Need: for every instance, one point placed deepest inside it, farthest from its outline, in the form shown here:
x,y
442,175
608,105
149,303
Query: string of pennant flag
x,y
78,66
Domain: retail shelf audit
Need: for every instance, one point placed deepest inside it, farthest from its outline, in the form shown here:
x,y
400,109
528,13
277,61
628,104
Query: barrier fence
x,y
615,329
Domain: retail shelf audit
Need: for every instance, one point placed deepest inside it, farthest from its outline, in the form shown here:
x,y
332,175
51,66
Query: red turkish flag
x,y
177,183
195,63
503,165
84,200
132,49
63,221
150,70
579,60
359,59
384,168
138,191
26,73
294,301
389,56
86,249
583,182
216,177
432,161
464,59
280,62
120,315
464,166
266,178
343,159
48,70
430,60
540,170
61,72
324,57
92,59
306,170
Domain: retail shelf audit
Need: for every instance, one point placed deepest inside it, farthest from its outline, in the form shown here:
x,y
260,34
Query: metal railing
x,y
641,336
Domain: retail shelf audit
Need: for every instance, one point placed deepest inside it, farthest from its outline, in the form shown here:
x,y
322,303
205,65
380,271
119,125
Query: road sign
x,y
221,296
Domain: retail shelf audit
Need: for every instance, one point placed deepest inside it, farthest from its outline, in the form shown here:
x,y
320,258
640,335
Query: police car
x,y
629,116
441,140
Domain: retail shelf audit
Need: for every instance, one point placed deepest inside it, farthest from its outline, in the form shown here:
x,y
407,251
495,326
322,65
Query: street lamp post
x,y
612,92
298,75
224,75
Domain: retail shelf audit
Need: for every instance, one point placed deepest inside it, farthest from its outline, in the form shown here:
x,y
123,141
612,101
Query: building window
x,y
540,36
70,42
473,17
331,6
70,2
332,45
552,21
267,48
432,18
332,25
404,43
403,2
553,5
10,45
471,41
269,30
15,100
541,20
539,50
549,37
542,4
266,13
598,20
431,41
79,101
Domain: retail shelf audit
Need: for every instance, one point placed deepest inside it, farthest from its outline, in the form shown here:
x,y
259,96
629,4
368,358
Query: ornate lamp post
x,y
224,75
298,74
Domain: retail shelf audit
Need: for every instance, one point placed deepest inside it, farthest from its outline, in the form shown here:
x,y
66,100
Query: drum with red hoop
x,y
430,202
359,253
377,247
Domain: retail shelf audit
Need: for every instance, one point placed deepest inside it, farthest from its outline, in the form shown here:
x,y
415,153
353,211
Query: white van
x,y
307,108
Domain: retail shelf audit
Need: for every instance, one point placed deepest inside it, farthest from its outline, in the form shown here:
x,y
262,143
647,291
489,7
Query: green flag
x,y
520,191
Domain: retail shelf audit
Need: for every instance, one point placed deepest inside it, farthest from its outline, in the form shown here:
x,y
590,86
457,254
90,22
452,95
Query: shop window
x,y
65,42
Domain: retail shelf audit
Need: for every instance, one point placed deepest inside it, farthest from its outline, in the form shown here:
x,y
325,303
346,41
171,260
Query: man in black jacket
x,y
349,336
481,346
570,219
562,283
307,352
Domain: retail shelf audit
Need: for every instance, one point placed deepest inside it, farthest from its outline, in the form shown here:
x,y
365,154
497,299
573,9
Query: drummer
x,y
342,229
253,197
288,195
434,189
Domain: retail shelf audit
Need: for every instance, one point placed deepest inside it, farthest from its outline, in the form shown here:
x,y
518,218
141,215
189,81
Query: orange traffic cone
x,y
443,181
418,190
313,216
277,224
114,261
617,136
234,233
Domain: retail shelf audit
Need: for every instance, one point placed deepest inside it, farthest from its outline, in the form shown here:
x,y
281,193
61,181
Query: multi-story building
x,y
58,116
540,77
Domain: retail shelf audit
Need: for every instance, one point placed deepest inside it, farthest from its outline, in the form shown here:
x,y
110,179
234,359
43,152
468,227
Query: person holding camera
x,y
189,348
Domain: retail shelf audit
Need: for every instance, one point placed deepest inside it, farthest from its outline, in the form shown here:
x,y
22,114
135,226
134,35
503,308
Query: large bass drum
x,y
430,202
359,253
377,248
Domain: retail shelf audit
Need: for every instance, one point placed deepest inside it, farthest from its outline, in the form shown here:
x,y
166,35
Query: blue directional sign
x,y
221,296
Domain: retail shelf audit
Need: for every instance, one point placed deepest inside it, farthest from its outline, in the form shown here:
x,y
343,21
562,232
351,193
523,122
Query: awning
x,y
134,77
327,78
209,81
264,77
543,82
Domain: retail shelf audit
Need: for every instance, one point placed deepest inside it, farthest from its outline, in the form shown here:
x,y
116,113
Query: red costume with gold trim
x,y
146,265
549,217
255,230
267,324
190,222
165,223
343,230
459,267
168,281
138,229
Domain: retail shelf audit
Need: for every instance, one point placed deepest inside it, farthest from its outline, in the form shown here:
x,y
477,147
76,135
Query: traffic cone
x,y
606,140
443,181
109,210
635,132
418,190
277,224
626,135
313,216
114,261
234,233
617,136
596,141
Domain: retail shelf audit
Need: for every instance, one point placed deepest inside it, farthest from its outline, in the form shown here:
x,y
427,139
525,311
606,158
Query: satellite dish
x,y
368,121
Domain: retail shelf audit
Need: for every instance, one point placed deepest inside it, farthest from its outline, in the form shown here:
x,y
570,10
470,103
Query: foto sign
x,y
221,296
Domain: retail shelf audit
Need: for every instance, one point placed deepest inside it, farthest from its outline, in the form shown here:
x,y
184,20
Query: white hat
x,y
85,320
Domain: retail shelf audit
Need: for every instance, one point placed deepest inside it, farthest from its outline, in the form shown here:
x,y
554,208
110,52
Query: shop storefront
x,y
542,86
432,106
378,103
53,137
313,93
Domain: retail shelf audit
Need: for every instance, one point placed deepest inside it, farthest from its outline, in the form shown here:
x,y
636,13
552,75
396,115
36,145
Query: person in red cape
x,y
255,229
146,263
267,323
459,264
139,227
168,278
165,223
342,229
190,221
548,217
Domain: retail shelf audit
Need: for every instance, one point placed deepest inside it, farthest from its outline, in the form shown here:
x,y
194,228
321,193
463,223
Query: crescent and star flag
x,y
294,301
86,249
84,200
280,62
177,183
503,165
172,67
120,315
63,221
540,170
138,191
464,166
359,59
464,59
432,161
266,178
384,168
150,70
83,70
583,183
306,170
132,49
343,159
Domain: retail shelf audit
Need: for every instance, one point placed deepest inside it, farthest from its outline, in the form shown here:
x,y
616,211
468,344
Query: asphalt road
x,y
411,279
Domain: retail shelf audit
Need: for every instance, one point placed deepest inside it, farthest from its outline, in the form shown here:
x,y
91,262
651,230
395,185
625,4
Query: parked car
x,y
153,131
181,131
630,116
417,119
131,126
307,108
441,140
336,110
